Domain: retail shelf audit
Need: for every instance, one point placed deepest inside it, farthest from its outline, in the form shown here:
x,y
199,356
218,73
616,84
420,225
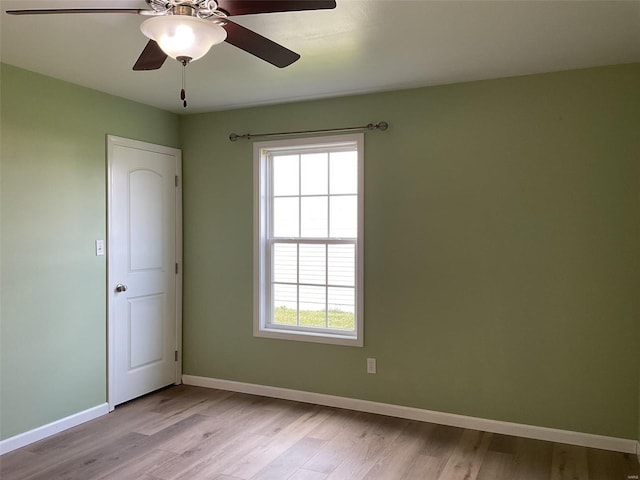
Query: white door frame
x,y
111,142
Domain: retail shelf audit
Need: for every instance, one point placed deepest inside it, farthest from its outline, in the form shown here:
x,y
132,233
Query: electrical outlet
x,y
371,365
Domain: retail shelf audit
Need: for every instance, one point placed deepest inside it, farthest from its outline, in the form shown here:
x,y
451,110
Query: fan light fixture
x,y
183,37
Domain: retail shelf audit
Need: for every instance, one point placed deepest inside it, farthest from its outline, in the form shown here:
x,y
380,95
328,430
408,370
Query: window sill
x,y
295,335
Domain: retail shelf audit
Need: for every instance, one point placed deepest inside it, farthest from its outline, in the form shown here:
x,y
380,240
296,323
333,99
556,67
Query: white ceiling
x,y
361,46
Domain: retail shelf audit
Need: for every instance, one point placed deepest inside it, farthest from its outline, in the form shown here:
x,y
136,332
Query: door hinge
x,y
176,180
176,355
176,268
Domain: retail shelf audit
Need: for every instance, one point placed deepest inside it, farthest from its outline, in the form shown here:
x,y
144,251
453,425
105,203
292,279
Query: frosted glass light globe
x,y
183,35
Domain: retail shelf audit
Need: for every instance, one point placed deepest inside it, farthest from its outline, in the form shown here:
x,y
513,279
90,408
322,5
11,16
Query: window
x,y
308,226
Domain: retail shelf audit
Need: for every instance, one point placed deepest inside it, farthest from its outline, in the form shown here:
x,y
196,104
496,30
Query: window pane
x,y
285,175
313,264
342,264
314,174
312,306
344,172
314,217
285,304
344,217
342,308
285,263
285,217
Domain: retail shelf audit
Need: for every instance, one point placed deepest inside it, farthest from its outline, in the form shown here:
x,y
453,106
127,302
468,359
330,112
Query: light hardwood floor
x,y
195,433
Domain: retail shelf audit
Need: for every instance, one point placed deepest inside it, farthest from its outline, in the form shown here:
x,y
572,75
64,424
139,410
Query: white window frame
x,y
262,326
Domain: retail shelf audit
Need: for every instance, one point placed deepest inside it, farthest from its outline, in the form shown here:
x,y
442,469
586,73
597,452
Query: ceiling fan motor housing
x,y
199,8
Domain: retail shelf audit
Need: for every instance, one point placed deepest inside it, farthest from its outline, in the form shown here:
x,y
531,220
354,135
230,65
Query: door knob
x,y
121,288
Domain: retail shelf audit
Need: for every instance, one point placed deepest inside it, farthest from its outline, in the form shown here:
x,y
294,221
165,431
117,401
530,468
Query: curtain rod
x,y
370,126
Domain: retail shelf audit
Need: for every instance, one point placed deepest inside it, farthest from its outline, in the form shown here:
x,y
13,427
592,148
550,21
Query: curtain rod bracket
x,y
382,126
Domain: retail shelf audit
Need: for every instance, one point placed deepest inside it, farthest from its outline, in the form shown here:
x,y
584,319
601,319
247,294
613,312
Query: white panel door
x,y
143,253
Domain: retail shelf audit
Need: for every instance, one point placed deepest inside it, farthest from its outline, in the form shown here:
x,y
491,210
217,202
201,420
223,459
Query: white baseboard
x,y
451,419
40,433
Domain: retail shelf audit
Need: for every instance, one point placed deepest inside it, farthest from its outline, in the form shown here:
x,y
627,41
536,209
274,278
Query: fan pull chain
x,y
183,95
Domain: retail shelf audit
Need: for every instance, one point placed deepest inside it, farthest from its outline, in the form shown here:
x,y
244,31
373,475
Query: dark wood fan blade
x,y
249,7
151,58
74,10
260,46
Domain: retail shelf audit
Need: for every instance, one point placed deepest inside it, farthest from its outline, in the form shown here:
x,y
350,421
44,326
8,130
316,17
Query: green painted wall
x,y
501,263
53,208
502,259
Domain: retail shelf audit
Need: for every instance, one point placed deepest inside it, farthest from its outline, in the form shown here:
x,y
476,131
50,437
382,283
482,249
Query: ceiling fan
x,y
187,29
